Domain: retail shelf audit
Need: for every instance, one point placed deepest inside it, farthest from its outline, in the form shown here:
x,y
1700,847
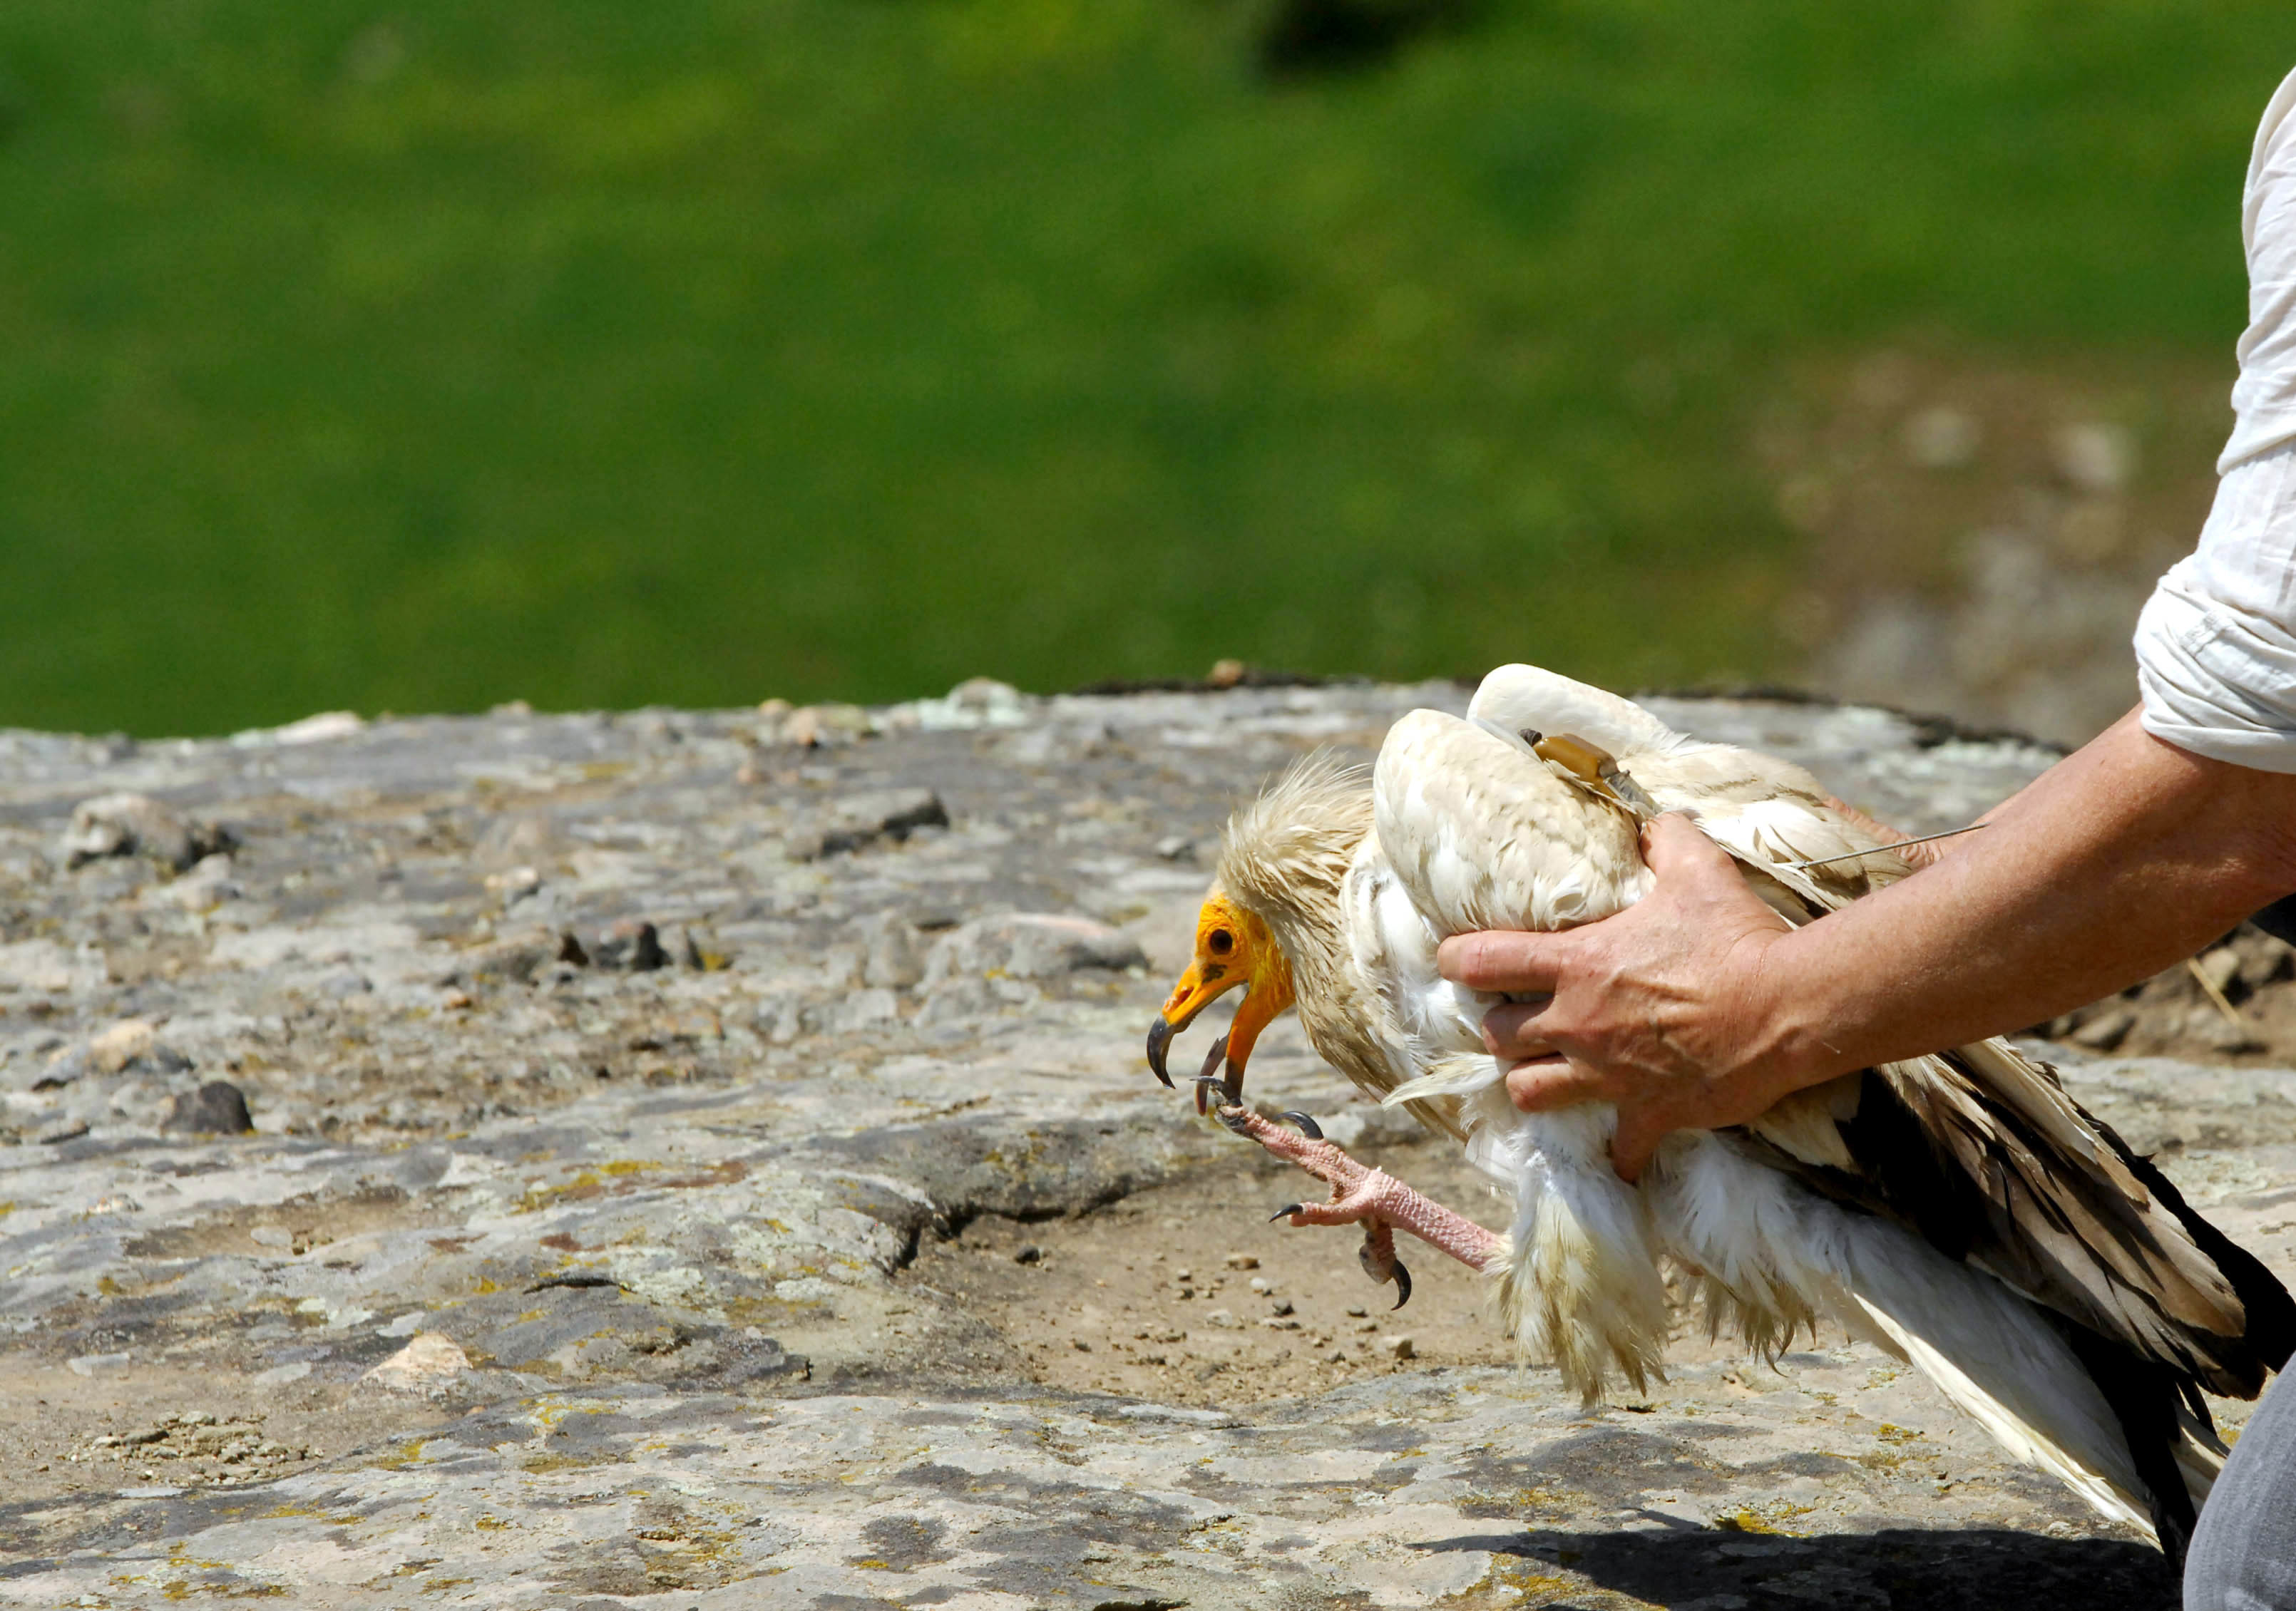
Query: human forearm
x,y
2115,863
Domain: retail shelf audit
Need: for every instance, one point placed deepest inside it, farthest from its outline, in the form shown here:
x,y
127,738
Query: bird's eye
x,y
1221,942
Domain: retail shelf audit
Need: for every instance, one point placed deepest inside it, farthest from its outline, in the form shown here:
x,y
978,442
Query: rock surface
x,y
706,1159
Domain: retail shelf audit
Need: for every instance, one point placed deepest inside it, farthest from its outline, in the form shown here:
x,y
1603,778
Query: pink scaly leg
x,y
1369,1198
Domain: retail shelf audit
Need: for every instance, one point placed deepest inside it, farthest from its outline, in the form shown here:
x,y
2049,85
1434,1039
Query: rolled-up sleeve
x,y
2216,655
2216,645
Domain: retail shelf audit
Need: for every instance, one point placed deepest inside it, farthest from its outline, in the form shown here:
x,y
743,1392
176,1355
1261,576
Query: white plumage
x,y
1959,1210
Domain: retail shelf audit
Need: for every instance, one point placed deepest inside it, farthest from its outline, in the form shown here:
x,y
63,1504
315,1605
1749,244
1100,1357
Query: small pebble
x,y
1402,1348
1357,1311
1028,1252
1259,1285
1080,1344
1282,1305
215,1109
633,944
1243,1261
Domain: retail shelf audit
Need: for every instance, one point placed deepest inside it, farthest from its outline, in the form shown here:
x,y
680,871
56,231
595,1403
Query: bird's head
x,y
1232,947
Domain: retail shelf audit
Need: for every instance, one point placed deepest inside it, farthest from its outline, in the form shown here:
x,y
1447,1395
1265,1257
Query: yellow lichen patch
x,y
1889,1459
491,1524
1515,1582
181,1589
1762,1519
1522,1501
580,1189
538,1465
626,1167
408,1453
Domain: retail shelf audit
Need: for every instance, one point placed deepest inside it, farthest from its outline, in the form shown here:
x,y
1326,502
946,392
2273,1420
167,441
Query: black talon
x,y
1229,1112
1402,1284
1308,1127
1286,1213
1212,1061
1160,1034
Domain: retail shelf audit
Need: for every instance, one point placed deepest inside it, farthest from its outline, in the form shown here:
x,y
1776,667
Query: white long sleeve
x,y
2216,644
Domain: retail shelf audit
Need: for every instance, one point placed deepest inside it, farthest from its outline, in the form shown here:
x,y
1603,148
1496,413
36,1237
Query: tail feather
x,y
2006,1362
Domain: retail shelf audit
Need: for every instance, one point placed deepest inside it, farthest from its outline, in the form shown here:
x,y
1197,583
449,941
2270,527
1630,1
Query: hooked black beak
x,y
1159,1036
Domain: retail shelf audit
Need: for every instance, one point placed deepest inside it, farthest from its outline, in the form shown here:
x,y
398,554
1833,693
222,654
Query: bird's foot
x,y
1360,1195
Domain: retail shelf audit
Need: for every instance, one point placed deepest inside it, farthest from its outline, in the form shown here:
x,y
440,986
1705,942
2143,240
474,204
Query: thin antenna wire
x,y
1853,854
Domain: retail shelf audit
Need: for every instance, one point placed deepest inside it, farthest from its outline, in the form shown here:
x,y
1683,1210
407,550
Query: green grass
x,y
603,354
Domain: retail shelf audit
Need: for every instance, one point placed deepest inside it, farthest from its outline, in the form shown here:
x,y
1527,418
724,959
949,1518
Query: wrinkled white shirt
x,y
2216,645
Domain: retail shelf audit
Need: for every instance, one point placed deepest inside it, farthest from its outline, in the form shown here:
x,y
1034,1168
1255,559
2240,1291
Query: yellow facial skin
x,y
1233,948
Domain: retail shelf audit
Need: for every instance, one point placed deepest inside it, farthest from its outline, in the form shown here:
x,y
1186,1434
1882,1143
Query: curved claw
x,y
1402,1284
1160,1034
1308,1127
1213,1094
1286,1213
1230,1089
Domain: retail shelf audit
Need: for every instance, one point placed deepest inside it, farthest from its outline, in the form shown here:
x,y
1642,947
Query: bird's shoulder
x,y
1770,813
1484,835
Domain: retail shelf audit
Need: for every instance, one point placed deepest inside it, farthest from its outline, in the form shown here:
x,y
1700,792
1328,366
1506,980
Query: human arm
x,y
1697,1006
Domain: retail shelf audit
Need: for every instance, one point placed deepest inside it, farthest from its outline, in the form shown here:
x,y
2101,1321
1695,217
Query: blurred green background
x,y
422,356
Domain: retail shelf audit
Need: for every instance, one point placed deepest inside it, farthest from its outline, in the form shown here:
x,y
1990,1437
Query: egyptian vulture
x,y
1959,1210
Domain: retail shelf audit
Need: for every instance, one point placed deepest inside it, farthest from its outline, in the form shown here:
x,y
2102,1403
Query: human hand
x,y
1656,1009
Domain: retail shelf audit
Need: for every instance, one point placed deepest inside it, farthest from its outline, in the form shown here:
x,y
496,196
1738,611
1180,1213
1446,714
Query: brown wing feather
x,y
1981,1151
1934,1146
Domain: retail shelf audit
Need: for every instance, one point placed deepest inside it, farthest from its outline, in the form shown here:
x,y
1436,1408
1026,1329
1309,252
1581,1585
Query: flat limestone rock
x,y
708,1155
